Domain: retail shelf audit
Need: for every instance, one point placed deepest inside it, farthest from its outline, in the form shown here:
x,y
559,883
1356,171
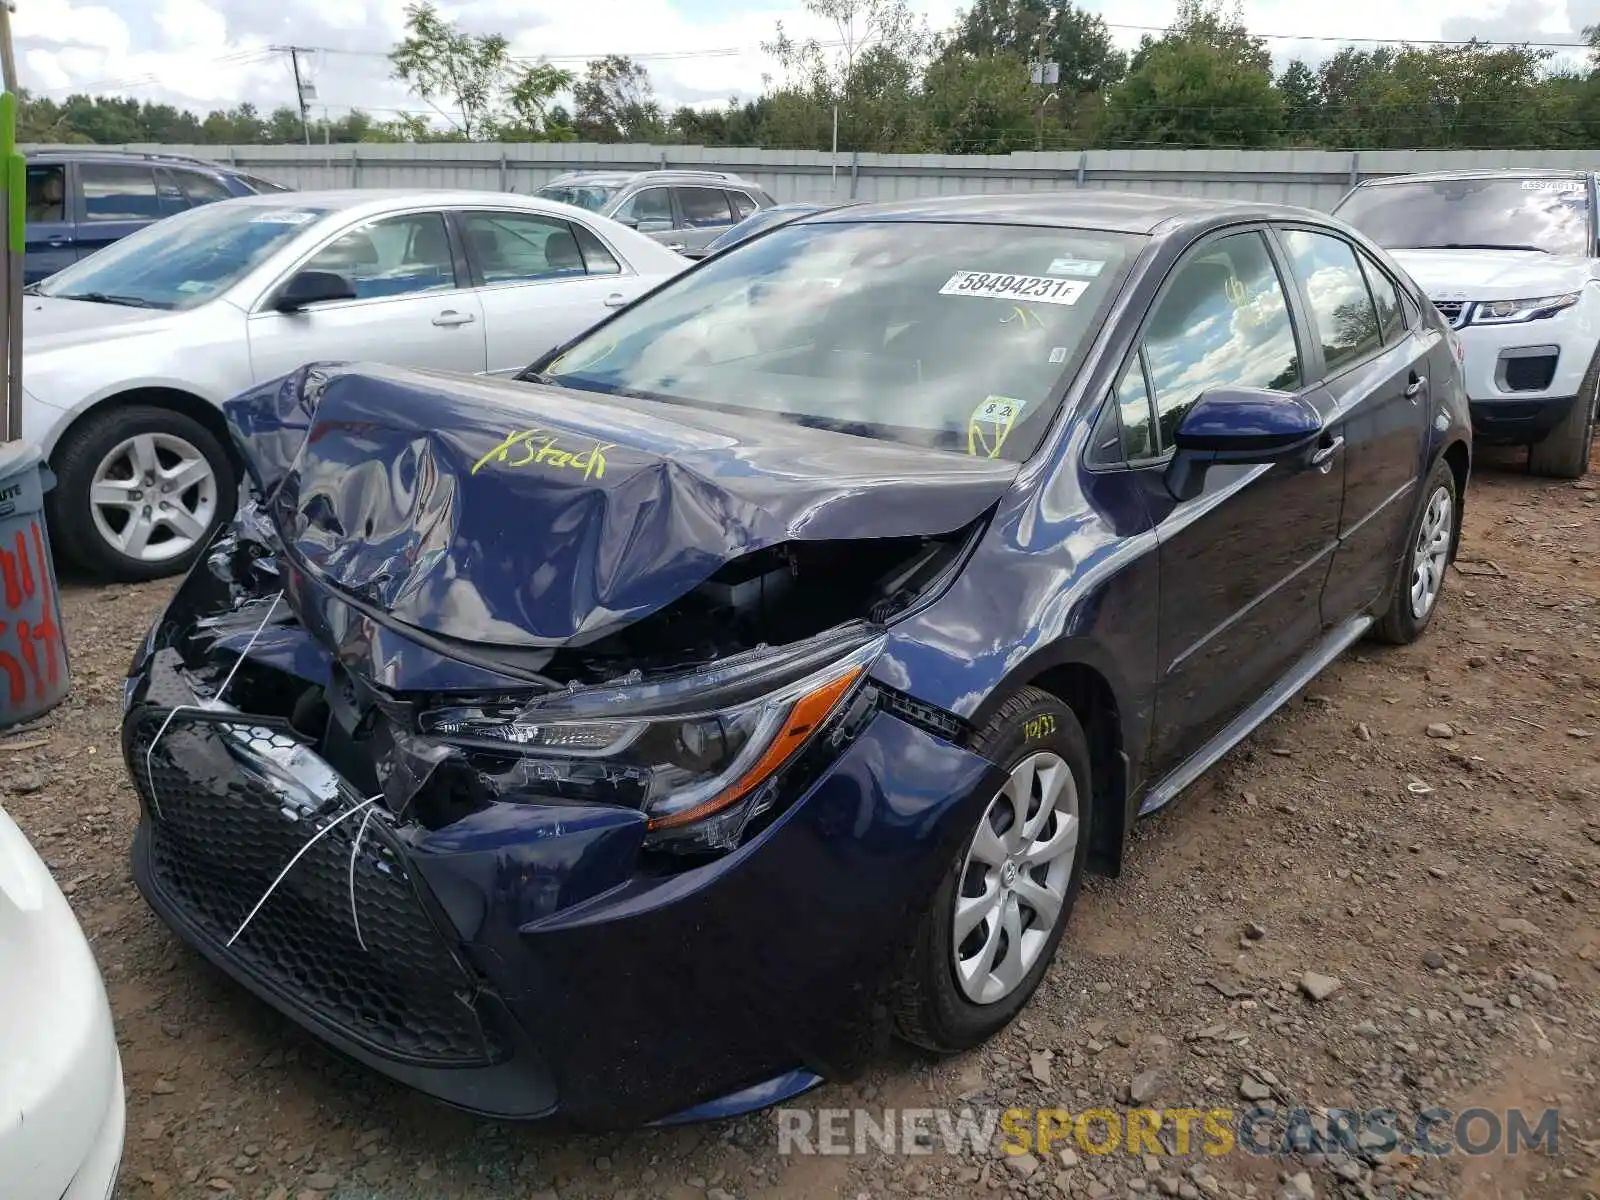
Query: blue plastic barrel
x,y
33,645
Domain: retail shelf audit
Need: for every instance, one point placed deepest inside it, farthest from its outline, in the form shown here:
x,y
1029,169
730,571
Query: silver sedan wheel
x,y
1014,881
1431,552
153,497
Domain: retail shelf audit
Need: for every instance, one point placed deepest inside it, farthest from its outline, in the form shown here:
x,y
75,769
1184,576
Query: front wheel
x,y
139,492
1564,451
1426,561
993,927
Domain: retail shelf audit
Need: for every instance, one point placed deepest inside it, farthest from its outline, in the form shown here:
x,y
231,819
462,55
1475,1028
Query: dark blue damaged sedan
x,y
757,677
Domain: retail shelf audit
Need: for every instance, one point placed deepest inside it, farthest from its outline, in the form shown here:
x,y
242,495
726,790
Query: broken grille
x,y
220,840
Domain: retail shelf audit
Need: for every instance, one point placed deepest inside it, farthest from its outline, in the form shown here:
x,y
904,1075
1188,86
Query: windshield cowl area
x,y
1536,213
954,337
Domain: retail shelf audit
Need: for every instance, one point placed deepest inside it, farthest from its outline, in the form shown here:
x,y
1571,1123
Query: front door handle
x,y
1323,458
450,317
55,242
1414,388
615,300
677,245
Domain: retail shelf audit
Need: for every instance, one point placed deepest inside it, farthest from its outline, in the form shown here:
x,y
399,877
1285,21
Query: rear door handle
x,y
450,317
1414,388
1323,458
615,300
677,245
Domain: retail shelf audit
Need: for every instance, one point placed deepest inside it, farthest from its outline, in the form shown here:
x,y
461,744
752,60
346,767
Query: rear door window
x,y
119,192
704,208
1391,317
201,188
516,247
597,260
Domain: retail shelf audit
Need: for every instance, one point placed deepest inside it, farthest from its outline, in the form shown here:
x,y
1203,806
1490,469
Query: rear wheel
x,y
140,490
1564,452
994,925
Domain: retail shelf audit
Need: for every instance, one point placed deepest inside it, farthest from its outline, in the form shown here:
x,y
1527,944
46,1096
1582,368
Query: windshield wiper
x,y
1480,246
108,298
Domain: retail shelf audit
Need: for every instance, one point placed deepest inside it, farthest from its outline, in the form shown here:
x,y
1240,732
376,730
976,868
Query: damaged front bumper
x,y
510,951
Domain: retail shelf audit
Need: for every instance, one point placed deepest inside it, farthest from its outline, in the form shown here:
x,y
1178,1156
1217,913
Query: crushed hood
x,y
523,516
1495,274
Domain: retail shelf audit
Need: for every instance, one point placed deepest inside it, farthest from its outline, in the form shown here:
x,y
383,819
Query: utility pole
x,y
301,88
11,311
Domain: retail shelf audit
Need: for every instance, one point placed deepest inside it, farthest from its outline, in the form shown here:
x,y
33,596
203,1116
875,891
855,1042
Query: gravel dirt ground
x,y
1422,825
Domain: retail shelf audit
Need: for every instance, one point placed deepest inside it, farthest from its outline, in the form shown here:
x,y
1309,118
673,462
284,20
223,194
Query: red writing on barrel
x,y
25,577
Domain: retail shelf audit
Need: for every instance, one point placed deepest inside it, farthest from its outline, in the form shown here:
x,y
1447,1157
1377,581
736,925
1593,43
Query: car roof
x,y
1482,173
621,178
1117,212
91,154
381,200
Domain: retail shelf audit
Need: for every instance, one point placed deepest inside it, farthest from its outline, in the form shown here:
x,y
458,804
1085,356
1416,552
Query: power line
x,y
1316,37
239,57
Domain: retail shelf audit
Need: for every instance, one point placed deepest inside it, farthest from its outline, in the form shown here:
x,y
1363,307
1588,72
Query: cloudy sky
x,y
203,54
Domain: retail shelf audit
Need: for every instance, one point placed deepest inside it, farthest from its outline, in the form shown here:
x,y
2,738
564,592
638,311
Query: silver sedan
x,y
130,351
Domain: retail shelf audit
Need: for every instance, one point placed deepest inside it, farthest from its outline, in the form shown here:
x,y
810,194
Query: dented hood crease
x,y
526,517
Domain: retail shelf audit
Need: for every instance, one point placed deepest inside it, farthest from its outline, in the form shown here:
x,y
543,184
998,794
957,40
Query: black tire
x,y
1564,452
931,1009
1400,625
74,462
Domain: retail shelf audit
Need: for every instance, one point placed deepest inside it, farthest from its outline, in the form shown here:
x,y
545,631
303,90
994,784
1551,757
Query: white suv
x,y
1509,258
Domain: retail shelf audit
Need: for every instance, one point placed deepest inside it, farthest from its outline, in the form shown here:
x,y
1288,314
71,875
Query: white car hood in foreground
x,y
1496,274
51,324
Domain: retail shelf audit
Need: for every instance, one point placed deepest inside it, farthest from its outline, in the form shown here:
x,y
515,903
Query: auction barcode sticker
x,y
1041,289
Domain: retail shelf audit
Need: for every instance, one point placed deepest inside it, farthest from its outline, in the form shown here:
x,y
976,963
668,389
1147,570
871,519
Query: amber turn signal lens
x,y
805,718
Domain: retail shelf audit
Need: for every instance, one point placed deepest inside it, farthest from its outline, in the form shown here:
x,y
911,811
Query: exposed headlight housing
x,y
700,772
1510,312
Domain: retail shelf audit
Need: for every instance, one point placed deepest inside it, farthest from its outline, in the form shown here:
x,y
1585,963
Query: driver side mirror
x,y
313,287
1239,425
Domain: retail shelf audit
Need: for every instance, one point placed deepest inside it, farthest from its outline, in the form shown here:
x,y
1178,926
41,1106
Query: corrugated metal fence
x,y
1311,178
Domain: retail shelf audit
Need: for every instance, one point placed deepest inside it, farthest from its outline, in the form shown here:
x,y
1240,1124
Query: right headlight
x,y
1510,312
700,774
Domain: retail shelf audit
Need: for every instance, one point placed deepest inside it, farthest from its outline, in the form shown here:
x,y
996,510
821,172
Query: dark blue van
x,y
81,200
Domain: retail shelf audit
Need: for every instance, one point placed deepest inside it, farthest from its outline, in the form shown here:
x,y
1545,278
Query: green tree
x,y
1077,40
616,103
870,75
1205,82
529,101
981,104
1302,103
474,73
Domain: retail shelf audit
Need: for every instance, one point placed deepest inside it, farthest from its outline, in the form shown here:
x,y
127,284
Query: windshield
x,y
1497,213
184,260
954,337
592,196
